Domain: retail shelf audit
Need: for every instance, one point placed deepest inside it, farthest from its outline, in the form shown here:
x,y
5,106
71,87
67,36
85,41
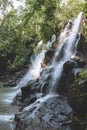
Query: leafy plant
x,y
20,32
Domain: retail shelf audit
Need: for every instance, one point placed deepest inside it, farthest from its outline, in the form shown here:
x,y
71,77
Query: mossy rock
x,y
77,98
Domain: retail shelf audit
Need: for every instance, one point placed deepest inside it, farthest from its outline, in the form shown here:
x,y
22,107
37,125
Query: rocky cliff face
x,y
77,98
53,112
49,113
77,93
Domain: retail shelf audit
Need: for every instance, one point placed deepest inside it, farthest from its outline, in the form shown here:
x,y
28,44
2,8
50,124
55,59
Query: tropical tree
x,y
20,32
85,20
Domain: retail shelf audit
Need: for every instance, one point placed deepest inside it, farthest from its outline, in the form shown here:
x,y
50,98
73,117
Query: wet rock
x,y
25,91
65,81
49,113
28,101
44,88
48,56
79,58
45,79
69,74
68,66
32,87
61,52
71,70
11,83
17,100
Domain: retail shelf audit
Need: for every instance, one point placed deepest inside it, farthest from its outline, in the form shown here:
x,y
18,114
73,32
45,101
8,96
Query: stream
x,y
6,109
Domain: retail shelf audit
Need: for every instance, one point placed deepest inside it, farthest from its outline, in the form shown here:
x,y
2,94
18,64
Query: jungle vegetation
x,y
21,30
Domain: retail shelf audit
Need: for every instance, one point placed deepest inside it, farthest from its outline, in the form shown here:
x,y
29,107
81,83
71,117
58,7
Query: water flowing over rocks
x,y
48,113
43,98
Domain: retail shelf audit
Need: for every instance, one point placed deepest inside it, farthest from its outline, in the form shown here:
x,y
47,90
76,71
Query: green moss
x,y
82,76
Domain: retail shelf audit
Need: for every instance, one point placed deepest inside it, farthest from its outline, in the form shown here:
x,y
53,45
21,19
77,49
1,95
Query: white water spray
x,y
35,70
73,35
70,46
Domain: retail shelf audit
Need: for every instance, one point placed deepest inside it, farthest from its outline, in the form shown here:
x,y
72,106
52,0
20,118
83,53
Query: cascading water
x,y
67,48
35,69
68,41
32,74
73,36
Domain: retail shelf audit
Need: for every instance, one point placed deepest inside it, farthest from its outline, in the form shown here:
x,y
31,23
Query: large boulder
x,y
29,88
67,77
77,98
68,66
48,113
77,95
34,89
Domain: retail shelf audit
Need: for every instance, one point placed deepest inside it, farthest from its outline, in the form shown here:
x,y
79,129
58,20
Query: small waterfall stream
x,y
36,61
69,45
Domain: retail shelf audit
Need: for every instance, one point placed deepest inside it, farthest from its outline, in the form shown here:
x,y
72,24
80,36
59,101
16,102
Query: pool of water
x,y
7,111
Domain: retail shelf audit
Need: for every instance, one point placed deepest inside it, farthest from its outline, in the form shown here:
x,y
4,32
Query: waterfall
x,y
68,42
73,36
67,45
50,75
68,39
34,70
36,60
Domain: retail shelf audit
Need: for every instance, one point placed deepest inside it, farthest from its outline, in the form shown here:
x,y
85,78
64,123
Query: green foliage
x,y
82,76
38,21
85,20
